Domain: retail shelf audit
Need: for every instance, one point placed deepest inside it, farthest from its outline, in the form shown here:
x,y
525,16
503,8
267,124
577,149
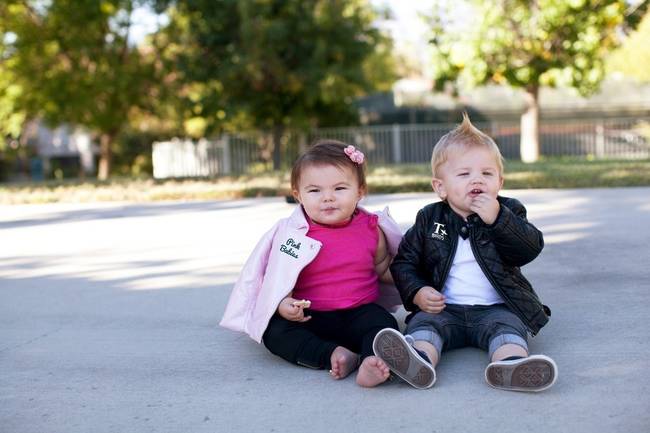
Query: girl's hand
x,y
486,207
429,300
294,313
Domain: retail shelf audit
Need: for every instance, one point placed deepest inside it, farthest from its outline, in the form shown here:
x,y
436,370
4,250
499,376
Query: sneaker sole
x,y
402,359
532,374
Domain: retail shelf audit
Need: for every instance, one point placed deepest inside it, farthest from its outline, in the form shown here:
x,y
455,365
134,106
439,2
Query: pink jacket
x,y
272,269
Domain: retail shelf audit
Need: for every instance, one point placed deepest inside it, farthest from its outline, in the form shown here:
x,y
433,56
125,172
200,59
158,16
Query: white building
x,y
64,143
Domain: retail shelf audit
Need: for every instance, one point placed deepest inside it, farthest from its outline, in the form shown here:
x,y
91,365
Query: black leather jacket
x,y
427,251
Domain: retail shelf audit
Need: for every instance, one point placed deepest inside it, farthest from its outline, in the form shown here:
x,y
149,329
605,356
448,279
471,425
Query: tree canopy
x,y
632,59
530,44
267,64
281,62
71,62
11,116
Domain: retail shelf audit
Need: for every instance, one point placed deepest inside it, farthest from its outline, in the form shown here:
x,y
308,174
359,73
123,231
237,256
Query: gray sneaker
x,y
403,359
533,373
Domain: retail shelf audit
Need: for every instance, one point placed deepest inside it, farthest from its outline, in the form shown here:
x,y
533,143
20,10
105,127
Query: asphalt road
x,y
109,323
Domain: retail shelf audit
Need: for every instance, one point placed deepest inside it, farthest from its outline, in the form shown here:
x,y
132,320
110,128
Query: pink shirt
x,y
343,274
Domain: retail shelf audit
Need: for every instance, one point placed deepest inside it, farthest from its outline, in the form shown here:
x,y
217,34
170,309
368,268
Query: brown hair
x,y
326,152
464,136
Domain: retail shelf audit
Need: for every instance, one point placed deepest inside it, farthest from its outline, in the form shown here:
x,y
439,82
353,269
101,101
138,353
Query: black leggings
x,y
311,343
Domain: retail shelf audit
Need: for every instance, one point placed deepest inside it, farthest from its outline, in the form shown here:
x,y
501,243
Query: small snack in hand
x,y
304,303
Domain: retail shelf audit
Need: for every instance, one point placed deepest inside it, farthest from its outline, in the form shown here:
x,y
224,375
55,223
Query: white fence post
x,y
227,161
600,140
397,145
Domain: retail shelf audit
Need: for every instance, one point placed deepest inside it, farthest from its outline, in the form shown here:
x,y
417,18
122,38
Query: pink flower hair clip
x,y
355,155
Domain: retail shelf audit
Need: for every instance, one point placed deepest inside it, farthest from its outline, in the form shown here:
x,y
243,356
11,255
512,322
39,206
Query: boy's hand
x,y
429,300
294,313
486,207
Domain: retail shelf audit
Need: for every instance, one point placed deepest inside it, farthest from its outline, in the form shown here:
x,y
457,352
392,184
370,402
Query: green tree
x,y
285,63
632,59
73,62
11,116
527,45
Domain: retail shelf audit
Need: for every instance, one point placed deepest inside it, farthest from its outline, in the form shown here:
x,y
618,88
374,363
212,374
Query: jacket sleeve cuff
x,y
411,292
500,217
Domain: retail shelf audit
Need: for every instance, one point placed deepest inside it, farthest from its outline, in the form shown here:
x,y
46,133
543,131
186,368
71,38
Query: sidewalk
x,y
109,313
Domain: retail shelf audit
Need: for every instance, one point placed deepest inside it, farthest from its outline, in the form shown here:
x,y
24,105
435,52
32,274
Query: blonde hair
x,y
464,136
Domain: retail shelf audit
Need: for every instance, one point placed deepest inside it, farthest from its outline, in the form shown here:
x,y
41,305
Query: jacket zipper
x,y
450,260
480,262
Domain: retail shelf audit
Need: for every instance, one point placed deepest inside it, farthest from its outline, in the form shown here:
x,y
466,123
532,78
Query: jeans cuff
x,y
431,337
502,339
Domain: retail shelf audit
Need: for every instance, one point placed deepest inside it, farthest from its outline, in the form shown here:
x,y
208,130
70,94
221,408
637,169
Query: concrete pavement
x,y
109,313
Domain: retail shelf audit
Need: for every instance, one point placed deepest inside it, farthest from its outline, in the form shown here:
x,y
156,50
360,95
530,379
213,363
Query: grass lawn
x,y
550,173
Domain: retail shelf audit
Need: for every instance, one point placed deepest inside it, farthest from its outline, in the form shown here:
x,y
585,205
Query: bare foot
x,y
343,362
372,372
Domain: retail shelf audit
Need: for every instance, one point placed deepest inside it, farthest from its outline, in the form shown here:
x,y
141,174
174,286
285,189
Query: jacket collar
x,y
297,220
456,222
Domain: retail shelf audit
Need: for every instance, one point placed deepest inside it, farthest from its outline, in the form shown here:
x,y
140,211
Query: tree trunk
x,y
105,156
529,144
278,129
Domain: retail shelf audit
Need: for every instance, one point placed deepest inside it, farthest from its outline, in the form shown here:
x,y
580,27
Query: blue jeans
x,y
487,327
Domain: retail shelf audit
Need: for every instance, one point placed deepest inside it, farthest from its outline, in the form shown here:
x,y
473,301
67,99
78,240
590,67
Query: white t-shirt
x,y
466,283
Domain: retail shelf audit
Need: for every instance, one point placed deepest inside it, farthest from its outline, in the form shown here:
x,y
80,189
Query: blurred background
x,y
94,89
